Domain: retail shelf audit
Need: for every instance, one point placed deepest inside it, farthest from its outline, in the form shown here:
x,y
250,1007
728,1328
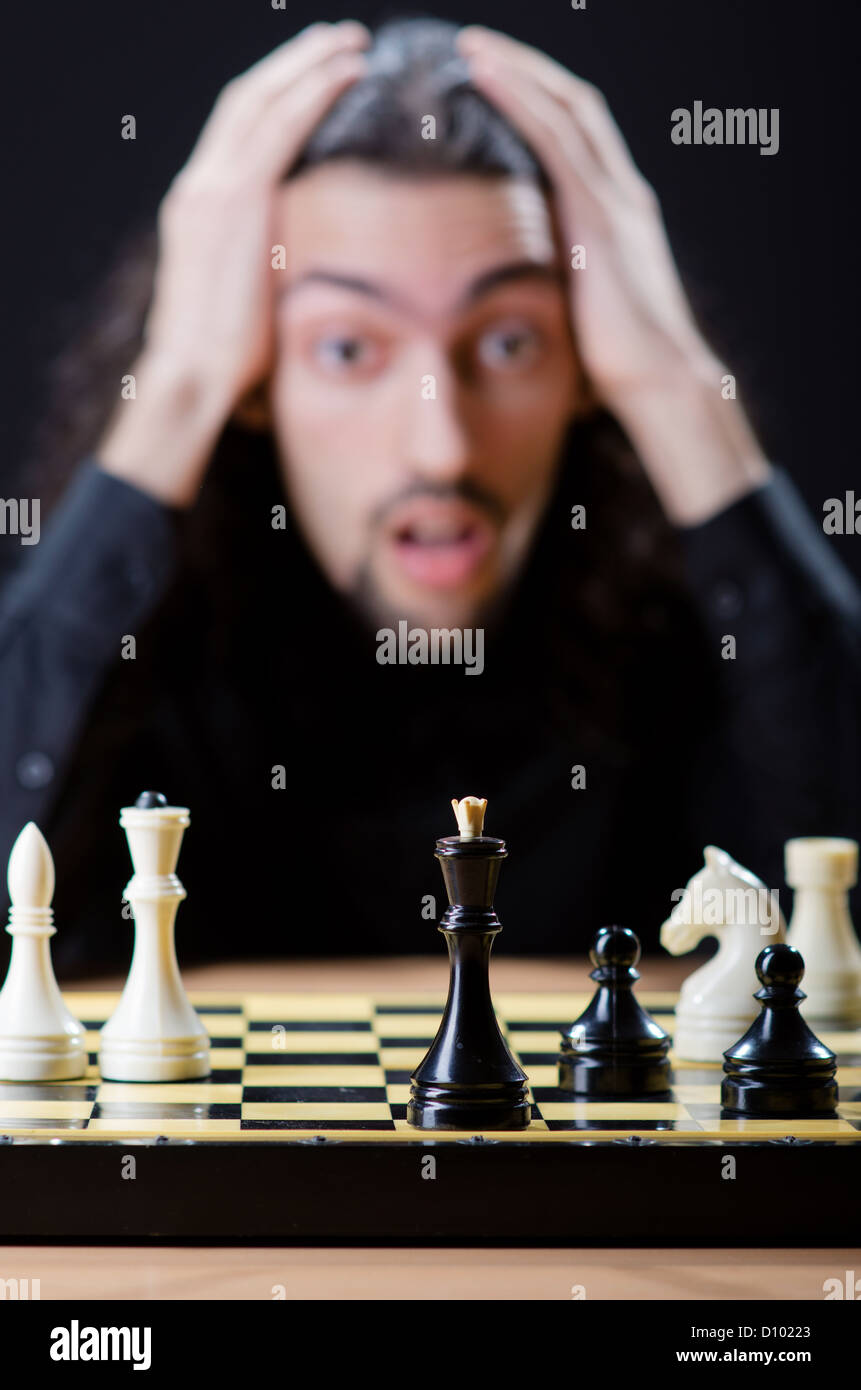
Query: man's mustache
x,y
464,491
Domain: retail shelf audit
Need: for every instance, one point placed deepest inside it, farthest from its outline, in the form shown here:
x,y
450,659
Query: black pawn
x,y
469,1079
148,801
614,1048
779,1069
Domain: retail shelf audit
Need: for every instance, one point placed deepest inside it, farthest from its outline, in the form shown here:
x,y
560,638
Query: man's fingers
x,y
585,101
290,119
266,77
551,131
244,100
270,145
475,39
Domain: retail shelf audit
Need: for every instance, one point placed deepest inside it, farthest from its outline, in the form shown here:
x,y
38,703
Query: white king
x,y
154,1034
40,1040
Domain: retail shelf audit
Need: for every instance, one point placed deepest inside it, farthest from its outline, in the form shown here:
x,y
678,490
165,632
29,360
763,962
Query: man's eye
x,y
516,346
342,351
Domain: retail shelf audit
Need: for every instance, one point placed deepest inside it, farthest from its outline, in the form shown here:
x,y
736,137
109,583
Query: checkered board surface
x,y
287,1067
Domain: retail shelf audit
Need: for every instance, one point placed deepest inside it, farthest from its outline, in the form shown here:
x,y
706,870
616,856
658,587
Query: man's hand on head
x,y
636,335
209,334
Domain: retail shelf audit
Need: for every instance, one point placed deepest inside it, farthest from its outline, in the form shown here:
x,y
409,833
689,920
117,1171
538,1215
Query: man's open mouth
x,y
439,544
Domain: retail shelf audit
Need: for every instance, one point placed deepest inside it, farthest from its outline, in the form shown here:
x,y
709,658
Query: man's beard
x,y
374,610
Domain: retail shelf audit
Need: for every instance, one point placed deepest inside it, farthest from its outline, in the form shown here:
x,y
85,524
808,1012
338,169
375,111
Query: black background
x,y
767,243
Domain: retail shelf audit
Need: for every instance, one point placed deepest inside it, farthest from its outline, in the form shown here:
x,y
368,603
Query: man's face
x,y
425,376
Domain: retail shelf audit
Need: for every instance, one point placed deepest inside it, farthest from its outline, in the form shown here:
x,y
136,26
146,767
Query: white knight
x,y
716,1004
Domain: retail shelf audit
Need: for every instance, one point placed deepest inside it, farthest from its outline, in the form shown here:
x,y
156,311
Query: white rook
x,y
821,871
40,1040
154,1034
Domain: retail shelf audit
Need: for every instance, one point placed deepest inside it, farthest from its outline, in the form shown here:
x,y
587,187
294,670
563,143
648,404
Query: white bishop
x,y
40,1040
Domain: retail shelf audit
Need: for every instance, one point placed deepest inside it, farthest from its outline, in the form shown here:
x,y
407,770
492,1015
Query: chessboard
x,y
300,1135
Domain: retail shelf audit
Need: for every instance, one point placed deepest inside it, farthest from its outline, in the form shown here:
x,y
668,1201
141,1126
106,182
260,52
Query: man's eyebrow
x,y
483,284
344,282
514,270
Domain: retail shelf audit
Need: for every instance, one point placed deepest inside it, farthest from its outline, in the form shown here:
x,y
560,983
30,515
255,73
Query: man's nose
x,y
436,444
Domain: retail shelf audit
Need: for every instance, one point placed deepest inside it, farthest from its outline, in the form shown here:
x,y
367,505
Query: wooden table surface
x,y
80,1272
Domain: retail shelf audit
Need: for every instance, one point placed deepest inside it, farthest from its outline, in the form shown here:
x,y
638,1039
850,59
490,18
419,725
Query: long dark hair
x,y
619,577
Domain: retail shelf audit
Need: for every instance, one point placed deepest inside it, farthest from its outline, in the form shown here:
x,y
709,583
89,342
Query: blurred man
x,y
417,359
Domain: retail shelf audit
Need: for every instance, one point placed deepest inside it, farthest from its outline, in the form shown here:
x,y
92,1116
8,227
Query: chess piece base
x,y
168,1059
488,1107
766,1096
42,1059
625,1073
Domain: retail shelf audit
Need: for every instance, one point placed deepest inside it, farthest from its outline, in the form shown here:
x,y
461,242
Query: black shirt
x,y
335,854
